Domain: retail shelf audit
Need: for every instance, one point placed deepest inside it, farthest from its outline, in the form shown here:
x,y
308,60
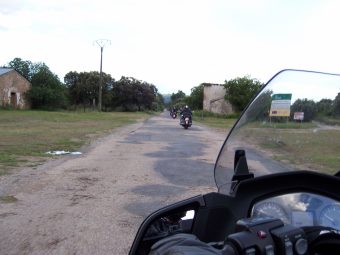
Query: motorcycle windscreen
x,y
292,124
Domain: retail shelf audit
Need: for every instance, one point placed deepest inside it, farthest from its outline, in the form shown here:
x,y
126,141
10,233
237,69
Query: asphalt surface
x,y
182,162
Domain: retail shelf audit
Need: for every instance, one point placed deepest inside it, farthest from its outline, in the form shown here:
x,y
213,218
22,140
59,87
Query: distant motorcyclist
x,y
186,117
173,112
186,110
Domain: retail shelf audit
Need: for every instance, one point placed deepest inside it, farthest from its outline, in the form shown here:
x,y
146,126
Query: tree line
x,y
323,110
317,110
81,89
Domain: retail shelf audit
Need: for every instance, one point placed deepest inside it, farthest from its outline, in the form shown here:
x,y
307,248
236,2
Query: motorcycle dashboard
x,y
300,210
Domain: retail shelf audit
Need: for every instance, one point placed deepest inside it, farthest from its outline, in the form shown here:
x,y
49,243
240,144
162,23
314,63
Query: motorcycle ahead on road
x,y
186,120
277,178
174,115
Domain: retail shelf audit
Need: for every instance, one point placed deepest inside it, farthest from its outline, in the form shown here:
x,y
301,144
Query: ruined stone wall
x,y
13,87
213,100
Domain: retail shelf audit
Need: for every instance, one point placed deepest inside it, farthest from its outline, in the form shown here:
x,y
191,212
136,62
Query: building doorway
x,y
14,100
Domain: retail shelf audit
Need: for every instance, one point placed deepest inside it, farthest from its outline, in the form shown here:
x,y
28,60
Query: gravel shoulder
x,y
94,203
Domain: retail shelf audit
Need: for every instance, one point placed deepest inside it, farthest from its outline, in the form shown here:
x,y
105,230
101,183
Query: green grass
x,y
284,125
306,148
220,121
203,114
329,120
216,122
26,136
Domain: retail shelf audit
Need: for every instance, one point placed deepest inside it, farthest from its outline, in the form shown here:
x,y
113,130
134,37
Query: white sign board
x,y
299,115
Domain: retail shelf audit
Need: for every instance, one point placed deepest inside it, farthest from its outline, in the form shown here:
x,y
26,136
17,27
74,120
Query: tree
x,y
24,67
159,103
83,88
304,105
175,97
47,91
325,107
195,100
131,94
240,91
336,106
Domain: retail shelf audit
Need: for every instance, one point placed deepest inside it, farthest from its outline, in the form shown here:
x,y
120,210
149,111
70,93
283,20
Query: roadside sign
x,y
299,115
280,106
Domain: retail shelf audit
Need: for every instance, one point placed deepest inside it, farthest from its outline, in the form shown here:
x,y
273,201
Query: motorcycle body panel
x,y
216,214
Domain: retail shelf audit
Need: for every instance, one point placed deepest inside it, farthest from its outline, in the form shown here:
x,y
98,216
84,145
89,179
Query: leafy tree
x,y
195,100
309,108
177,96
336,106
325,107
83,88
130,94
47,91
159,103
24,67
240,91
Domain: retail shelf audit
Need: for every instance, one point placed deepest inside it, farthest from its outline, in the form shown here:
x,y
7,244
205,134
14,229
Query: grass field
x,y
284,125
26,136
300,144
307,148
214,120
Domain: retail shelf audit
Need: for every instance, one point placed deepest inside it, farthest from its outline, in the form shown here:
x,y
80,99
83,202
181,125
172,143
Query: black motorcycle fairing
x,y
221,212
216,214
288,182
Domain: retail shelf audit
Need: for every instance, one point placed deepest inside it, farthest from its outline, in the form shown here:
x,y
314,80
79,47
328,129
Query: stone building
x,y
213,99
13,87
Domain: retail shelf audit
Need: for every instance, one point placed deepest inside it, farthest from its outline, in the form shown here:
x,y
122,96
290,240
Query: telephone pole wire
x,y
101,43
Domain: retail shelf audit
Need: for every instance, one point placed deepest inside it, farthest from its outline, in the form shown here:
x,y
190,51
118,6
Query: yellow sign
x,y
280,105
280,113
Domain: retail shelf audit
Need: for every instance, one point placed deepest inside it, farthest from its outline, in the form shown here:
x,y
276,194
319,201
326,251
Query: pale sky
x,y
173,44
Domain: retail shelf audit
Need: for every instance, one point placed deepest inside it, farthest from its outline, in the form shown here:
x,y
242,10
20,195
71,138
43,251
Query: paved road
x,y
94,203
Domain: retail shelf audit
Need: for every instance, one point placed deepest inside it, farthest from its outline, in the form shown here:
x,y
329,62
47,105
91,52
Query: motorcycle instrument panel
x,y
301,209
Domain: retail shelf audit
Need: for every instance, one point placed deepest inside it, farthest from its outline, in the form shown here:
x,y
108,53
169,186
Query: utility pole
x,y
101,43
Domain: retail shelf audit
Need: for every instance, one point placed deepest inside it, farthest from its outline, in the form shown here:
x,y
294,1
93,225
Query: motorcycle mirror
x,y
241,170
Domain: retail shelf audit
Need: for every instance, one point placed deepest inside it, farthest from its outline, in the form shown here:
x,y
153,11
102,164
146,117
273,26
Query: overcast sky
x,y
174,44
